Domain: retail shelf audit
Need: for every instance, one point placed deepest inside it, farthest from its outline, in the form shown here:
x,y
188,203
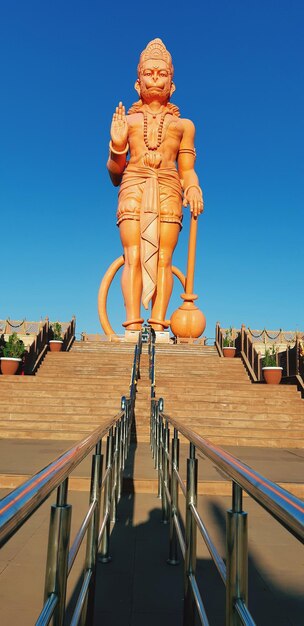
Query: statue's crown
x,y
156,50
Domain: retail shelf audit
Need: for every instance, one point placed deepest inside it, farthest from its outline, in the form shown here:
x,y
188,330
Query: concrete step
x,y
14,410
252,391
231,401
60,398
239,414
240,439
68,418
81,370
204,407
47,434
52,391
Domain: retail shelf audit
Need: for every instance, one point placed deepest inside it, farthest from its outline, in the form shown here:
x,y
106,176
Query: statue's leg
x,y
131,280
168,239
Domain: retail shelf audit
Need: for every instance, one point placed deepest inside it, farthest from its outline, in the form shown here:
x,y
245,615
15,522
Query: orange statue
x,y
152,188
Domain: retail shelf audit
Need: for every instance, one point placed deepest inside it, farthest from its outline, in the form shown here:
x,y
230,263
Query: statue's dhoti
x,y
150,196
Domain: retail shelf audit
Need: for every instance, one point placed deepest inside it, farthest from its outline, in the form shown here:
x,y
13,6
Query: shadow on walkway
x,y
139,588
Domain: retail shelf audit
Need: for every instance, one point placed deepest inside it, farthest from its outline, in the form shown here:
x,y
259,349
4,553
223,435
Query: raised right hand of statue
x,y
119,128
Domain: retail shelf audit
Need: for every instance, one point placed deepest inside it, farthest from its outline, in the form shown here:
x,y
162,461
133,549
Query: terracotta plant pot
x,y
272,375
55,345
229,352
9,365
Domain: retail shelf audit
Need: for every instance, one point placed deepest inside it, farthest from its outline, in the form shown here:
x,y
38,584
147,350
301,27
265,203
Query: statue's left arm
x,y
186,159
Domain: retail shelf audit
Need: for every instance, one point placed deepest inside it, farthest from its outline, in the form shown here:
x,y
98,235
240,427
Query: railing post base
x,y
236,557
58,552
172,562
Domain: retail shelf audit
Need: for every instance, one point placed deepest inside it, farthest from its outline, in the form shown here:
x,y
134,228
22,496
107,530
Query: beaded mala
x,y
159,131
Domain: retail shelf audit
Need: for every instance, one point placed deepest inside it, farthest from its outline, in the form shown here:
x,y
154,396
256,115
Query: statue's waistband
x,y
137,174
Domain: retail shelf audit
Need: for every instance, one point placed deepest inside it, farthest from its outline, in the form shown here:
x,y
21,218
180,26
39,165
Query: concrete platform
x,y
19,459
138,587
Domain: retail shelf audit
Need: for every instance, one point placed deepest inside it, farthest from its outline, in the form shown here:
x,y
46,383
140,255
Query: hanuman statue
x,y
155,183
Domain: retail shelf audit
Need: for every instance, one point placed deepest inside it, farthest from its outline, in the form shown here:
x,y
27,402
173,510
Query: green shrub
x,y
270,359
228,341
14,348
56,329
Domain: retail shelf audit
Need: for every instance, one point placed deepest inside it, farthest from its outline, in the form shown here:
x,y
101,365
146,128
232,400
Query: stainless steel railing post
x,y
155,419
129,420
113,490
153,428
160,447
236,556
126,446
190,539
151,425
58,552
173,556
124,431
156,435
125,437
119,460
165,464
115,472
105,542
92,536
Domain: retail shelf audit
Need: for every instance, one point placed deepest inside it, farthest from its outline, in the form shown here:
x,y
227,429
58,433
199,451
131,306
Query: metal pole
x,y
236,556
160,453
165,464
190,539
115,472
92,536
151,425
173,556
58,552
153,428
105,542
156,436
124,430
119,461
129,420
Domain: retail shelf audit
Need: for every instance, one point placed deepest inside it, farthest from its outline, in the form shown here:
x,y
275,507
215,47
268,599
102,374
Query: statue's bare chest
x,y
155,130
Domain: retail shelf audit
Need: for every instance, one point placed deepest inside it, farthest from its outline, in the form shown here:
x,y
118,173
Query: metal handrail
x,y
283,506
21,503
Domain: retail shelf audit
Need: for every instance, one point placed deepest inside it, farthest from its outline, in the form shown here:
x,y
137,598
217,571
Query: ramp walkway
x,y
138,586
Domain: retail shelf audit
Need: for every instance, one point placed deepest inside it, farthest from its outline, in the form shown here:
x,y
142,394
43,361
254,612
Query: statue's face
x,y
155,81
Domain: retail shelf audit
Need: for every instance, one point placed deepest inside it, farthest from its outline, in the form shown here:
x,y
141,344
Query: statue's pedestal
x,y
162,336
131,336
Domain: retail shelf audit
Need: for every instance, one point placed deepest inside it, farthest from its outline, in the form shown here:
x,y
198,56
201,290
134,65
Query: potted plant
x,y
228,347
57,341
271,372
12,353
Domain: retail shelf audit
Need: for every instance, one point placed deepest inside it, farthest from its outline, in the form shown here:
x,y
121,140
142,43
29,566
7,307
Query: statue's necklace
x,y
155,145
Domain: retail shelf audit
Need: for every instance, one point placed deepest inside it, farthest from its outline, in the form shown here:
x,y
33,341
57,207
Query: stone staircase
x,y
215,397
72,393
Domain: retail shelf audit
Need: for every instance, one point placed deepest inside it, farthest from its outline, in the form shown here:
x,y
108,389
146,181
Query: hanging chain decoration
x,y
264,331
15,325
255,336
272,338
289,337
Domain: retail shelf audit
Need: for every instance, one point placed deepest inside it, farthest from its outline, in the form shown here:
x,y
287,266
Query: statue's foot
x,y
133,324
159,325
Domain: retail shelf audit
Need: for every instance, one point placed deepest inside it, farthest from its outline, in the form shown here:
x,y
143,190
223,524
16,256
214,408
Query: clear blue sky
x,y
239,77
